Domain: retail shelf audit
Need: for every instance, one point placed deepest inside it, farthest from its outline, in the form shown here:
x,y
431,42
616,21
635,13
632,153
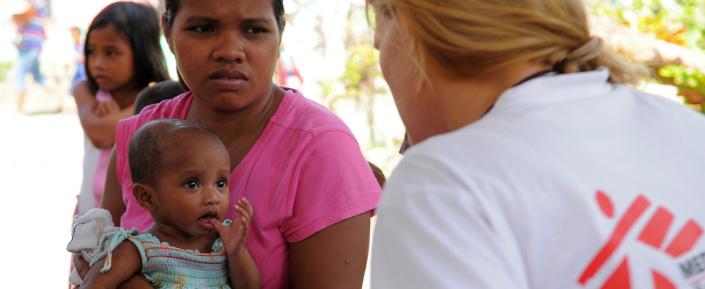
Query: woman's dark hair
x,y
139,25
172,6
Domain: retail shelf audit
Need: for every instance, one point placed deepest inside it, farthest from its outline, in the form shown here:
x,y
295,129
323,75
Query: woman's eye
x,y
191,184
203,28
255,30
221,183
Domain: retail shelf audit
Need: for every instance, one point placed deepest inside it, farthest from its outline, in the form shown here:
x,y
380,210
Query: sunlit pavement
x,y
40,169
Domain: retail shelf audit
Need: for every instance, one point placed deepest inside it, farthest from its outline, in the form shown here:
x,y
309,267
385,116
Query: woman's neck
x,y
459,102
232,126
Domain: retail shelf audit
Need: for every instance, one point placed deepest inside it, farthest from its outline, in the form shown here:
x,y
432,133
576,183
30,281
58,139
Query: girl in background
x,y
122,56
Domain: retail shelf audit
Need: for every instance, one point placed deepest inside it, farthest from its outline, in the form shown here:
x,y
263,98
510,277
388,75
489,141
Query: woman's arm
x,y
335,257
99,129
112,194
125,263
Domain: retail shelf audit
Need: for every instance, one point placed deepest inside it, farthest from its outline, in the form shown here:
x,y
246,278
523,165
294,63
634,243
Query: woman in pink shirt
x,y
299,165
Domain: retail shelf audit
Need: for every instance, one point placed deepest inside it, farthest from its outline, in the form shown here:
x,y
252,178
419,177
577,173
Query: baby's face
x,y
192,184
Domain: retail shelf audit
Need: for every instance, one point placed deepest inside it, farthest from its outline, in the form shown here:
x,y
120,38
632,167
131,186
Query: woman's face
x,y
402,75
226,51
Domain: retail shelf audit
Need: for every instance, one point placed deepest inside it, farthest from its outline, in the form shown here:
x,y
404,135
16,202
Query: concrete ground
x,y
40,166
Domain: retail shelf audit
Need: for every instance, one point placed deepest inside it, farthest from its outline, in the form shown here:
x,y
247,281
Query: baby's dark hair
x,y
151,140
139,26
172,6
158,92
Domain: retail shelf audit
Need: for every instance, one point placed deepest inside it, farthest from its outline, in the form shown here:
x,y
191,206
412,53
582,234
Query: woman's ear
x,y
145,196
166,29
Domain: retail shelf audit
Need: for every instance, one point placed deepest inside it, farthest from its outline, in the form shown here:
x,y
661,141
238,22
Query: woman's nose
x,y
229,49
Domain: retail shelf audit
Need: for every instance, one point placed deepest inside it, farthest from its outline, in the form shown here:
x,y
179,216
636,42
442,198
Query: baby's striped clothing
x,y
171,267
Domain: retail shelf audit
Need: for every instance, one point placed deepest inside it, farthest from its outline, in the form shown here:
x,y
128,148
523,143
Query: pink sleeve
x,y
335,183
123,132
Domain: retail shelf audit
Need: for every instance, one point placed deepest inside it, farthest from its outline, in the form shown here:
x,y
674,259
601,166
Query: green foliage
x,y
361,79
690,83
677,21
684,77
681,22
5,68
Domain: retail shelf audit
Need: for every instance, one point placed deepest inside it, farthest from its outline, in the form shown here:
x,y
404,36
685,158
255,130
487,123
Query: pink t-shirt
x,y
303,174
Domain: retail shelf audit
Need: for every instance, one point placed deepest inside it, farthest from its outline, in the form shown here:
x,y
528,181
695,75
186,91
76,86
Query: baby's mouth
x,y
205,221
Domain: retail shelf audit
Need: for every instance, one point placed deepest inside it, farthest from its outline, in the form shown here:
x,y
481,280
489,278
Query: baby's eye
x,y
191,184
221,183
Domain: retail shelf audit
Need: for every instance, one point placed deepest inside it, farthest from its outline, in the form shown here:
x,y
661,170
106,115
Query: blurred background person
x,y
31,37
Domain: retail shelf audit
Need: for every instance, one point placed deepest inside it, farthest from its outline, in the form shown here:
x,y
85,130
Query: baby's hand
x,y
233,235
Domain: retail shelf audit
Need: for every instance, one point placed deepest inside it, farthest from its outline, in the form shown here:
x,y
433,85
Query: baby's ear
x,y
145,195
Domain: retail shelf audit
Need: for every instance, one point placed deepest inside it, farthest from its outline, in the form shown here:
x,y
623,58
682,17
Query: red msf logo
x,y
652,234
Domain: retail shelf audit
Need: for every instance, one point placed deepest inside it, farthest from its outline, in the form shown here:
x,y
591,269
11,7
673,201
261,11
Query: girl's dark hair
x,y
172,6
139,25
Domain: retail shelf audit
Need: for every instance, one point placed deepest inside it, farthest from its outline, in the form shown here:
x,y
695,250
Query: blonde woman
x,y
533,165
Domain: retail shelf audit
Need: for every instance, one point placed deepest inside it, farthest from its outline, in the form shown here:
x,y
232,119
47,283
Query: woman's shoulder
x,y
298,113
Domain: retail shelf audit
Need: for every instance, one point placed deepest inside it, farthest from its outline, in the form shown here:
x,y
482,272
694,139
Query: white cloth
x,y
87,232
511,201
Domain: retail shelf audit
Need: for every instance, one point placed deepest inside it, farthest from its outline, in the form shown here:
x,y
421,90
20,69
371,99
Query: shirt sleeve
x,y
335,183
433,232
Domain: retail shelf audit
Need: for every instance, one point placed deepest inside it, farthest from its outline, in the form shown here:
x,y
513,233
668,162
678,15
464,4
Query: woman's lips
x,y
228,79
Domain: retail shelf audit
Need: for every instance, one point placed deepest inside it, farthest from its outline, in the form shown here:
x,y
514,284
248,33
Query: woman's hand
x,y
233,236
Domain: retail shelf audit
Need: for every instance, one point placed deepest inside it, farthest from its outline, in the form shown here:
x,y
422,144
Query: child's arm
x,y
126,262
242,268
99,129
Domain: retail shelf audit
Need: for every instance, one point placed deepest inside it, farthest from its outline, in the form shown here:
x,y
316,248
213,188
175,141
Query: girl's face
x,y
226,51
109,59
192,185
402,75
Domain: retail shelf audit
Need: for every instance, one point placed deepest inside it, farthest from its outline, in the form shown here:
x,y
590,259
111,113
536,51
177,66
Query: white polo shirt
x,y
568,182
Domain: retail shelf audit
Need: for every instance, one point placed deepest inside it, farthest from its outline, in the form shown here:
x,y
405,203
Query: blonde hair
x,y
476,36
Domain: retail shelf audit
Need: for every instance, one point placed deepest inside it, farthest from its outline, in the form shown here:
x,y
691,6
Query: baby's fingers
x,y
219,228
245,208
242,210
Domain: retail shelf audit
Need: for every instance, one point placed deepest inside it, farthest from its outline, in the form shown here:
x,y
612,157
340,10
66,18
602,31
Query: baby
x,y
180,173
